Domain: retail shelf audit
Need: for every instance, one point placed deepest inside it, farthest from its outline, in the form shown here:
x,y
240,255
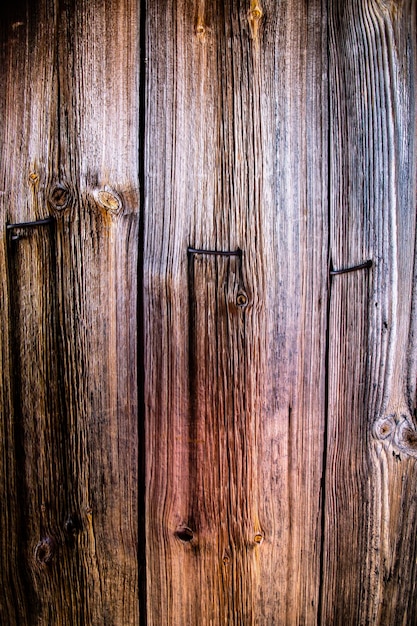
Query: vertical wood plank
x,y
235,158
370,550
70,150
31,524
97,235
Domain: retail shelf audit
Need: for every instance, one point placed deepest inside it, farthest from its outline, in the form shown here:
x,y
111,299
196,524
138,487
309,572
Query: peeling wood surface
x,y
235,159
371,516
69,425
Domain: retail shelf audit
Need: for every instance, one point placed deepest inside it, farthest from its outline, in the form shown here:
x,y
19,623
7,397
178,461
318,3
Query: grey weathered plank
x,y
235,157
69,470
370,529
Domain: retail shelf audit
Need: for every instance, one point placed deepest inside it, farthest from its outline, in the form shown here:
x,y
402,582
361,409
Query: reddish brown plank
x,y
235,157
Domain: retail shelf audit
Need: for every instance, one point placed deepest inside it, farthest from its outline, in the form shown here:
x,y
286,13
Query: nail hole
x,y
258,538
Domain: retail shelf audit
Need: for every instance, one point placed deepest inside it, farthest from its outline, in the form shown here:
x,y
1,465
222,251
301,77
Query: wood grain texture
x,y
371,517
69,473
235,158
280,404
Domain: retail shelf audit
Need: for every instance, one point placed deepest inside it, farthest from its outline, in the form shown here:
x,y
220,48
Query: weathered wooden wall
x,y
276,148
69,450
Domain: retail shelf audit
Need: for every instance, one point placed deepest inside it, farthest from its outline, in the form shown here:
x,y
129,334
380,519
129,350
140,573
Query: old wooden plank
x,y
29,418
70,149
371,517
235,158
98,82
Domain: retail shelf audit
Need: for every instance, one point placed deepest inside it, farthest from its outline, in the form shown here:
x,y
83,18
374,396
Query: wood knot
x,y
398,431
241,299
255,14
258,539
200,29
254,17
45,550
34,178
72,525
59,197
109,200
184,534
410,437
405,437
384,427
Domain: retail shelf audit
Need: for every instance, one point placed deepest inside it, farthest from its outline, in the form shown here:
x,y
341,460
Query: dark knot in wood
x,y
184,534
59,197
398,431
72,525
45,550
241,299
